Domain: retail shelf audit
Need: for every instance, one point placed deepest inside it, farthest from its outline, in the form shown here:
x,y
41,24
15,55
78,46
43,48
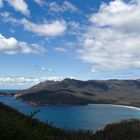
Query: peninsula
x,y
77,92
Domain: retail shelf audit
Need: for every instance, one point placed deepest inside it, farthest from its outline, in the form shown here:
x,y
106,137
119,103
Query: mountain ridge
x,y
72,91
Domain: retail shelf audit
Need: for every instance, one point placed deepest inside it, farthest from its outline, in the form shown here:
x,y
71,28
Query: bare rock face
x,y
71,91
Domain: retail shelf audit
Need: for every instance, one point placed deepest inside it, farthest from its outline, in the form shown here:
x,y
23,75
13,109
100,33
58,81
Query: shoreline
x,y
102,104
35,129
127,106
111,104
119,105
83,104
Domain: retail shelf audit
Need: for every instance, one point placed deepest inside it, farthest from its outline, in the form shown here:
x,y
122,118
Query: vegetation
x,y
16,126
124,130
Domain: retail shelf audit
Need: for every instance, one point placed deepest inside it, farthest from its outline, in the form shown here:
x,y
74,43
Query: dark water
x,y
90,117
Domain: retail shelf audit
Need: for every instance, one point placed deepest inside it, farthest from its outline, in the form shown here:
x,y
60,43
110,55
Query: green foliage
x,y
124,130
33,113
16,126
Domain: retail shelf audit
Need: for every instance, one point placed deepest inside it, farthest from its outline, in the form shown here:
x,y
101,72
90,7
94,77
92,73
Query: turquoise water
x,y
90,117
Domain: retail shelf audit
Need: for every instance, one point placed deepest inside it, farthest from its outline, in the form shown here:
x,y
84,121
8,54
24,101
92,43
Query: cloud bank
x,y
23,82
112,41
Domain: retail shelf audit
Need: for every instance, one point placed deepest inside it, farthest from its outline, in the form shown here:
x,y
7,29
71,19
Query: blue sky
x,y
55,39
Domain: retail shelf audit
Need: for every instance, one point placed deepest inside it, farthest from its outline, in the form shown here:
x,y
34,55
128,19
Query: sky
x,y
56,39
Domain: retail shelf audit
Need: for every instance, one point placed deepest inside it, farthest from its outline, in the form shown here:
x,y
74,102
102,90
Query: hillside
x,y
16,126
71,91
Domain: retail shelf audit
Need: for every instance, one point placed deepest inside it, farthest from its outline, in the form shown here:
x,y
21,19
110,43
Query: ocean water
x,y
89,117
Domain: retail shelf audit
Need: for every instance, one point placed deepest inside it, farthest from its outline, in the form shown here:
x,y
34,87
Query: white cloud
x,y
1,3
46,69
60,49
13,46
66,6
119,15
19,5
112,41
40,2
54,28
23,82
94,72
54,78
42,68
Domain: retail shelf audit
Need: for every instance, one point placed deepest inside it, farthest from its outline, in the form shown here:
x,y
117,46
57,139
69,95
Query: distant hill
x,y
71,91
6,94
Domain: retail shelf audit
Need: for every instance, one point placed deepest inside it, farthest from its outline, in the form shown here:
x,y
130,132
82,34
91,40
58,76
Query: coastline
x,y
100,107
119,105
131,106
115,104
32,128
126,106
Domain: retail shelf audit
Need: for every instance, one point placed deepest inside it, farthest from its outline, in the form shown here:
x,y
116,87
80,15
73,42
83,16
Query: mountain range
x,y
77,92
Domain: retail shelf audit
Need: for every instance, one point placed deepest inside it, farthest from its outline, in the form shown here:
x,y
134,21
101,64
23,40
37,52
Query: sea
x,y
89,117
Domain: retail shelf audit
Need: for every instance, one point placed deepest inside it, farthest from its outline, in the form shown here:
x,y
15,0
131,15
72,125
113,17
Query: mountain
x,y
6,94
71,91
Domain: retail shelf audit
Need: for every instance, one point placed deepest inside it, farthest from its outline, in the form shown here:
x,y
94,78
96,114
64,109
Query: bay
x,y
89,117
